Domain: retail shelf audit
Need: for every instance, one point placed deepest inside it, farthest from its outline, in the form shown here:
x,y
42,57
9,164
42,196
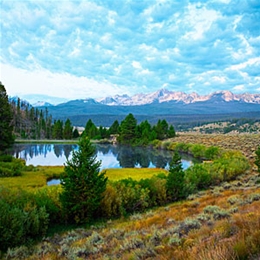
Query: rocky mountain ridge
x,y
164,95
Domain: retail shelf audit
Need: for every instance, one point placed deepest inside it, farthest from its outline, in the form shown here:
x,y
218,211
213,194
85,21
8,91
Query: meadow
x,y
221,221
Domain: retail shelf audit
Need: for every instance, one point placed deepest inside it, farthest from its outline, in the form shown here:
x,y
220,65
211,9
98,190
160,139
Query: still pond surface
x,y
111,156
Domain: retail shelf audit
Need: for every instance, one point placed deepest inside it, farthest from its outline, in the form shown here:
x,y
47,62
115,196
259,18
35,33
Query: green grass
x,y
41,174
32,179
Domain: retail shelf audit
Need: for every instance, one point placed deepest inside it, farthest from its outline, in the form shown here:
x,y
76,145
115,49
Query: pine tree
x,y
171,132
68,130
128,130
83,184
175,179
114,128
6,129
75,133
257,161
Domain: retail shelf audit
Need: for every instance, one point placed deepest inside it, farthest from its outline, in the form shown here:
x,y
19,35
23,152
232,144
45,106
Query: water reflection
x,y
111,156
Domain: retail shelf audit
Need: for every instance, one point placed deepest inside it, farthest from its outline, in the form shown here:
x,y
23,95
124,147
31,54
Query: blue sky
x,y
98,48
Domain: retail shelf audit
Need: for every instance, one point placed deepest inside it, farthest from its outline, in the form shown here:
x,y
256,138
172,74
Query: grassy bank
x,y
39,176
221,222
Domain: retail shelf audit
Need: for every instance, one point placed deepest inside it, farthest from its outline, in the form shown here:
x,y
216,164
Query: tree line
x,y
129,132
20,119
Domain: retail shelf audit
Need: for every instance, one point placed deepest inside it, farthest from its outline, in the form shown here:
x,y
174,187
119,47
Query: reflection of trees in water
x,y
127,156
58,149
68,148
27,151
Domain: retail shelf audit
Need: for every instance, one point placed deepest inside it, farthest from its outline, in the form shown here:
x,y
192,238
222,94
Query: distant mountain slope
x,y
156,104
164,95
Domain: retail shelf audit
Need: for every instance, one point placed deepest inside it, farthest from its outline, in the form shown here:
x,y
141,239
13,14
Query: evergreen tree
x,y
82,183
159,130
75,133
171,132
6,129
57,132
257,161
128,130
68,130
175,179
114,128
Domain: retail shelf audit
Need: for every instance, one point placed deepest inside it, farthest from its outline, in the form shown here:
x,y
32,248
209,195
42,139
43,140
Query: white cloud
x,y
64,85
136,65
239,87
130,46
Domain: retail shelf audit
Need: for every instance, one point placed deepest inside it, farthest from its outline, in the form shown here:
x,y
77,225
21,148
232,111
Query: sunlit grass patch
x,y
32,179
134,173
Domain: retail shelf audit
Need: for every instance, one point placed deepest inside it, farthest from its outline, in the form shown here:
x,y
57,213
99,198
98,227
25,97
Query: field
x,y
222,222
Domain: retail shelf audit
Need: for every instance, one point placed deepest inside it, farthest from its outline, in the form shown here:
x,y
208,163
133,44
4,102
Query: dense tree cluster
x,y
29,122
34,123
132,133
6,128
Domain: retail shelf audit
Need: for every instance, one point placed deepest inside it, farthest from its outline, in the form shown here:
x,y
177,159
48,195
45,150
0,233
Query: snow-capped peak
x,y
164,95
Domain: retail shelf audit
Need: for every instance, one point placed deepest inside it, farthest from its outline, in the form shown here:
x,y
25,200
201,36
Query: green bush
x,y
48,197
197,177
6,158
182,147
197,150
13,168
20,220
213,152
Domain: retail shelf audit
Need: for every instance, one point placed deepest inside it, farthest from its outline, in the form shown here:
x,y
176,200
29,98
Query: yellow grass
x,y
39,178
134,173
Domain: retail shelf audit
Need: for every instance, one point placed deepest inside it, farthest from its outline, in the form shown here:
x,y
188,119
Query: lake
x,y
111,156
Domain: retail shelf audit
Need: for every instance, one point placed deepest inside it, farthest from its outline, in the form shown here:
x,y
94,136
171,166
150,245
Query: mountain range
x,y
164,95
177,107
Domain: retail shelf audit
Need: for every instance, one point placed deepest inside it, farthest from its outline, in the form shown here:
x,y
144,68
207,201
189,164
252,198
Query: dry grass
x,y
134,173
220,223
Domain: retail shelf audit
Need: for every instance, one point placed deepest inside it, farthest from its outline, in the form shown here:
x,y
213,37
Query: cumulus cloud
x,y
99,47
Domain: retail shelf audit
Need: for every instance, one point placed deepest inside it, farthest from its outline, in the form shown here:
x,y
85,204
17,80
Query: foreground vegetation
x,y
175,230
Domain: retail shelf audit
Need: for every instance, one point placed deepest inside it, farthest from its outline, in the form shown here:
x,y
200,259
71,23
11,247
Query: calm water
x,y
111,156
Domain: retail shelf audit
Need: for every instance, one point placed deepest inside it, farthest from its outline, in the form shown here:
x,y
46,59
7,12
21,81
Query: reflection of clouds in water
x,y
48,159
108,160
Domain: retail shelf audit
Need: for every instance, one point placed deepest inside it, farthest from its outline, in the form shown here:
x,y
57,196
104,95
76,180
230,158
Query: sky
x,y
98,48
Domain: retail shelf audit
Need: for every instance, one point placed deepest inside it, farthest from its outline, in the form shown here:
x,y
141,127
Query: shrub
x,y
182,147
198,150
216,211
6,158
198,177
175,179
20,220
257,160
48,197
111,204
13,168
212,152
